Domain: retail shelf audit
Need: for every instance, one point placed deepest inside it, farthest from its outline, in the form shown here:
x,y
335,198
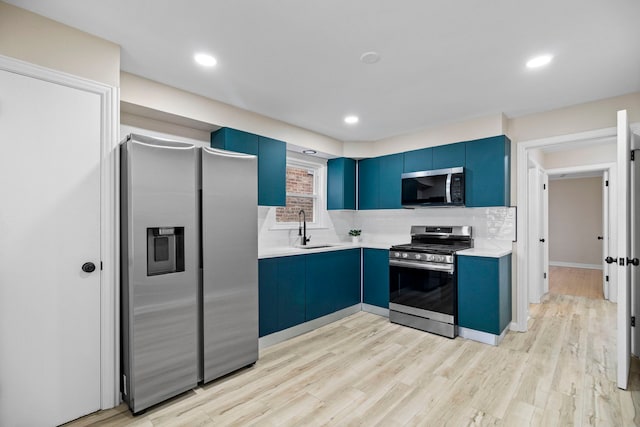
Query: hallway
x,y
580,282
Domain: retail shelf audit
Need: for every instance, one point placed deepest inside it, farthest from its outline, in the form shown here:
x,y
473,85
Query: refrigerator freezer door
x,y
159,270
230,261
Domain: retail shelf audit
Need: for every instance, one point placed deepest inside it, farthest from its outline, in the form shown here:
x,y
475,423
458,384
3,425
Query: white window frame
x,y
320,209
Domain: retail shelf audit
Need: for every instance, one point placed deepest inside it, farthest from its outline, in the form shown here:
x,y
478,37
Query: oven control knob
x,y
418,256
439,258
429,257
397,255
405,255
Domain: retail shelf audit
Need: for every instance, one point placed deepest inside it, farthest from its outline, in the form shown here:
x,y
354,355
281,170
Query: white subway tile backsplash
x,y
494,226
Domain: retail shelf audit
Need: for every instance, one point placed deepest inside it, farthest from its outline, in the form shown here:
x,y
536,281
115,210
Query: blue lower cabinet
x,y
300,288
376,277
348,283
268,295
333,282
281,293
484,293
291,291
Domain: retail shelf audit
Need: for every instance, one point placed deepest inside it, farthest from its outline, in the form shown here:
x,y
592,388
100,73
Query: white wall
x,y
589,155
33,38
152,95
454,132
575,221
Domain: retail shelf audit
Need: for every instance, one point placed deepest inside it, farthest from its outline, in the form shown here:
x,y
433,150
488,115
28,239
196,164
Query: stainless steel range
x,y
422,279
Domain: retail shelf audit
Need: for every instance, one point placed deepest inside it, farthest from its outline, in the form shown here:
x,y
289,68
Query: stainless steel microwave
x,y
441,187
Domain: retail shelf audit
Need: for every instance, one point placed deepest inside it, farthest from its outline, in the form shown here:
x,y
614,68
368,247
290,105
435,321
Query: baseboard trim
x,y
374,309
575,265
483,337
303,328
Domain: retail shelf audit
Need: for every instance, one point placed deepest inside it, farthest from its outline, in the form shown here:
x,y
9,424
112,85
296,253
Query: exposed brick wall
x,y
299,181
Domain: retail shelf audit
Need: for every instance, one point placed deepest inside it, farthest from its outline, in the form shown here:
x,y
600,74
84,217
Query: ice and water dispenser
x,y
165,250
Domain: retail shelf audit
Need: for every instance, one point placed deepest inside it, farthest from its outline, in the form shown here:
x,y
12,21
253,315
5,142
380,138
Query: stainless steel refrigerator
x,y
189,288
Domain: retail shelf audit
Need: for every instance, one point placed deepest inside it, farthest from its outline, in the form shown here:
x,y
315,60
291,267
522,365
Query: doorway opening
x,y
578,234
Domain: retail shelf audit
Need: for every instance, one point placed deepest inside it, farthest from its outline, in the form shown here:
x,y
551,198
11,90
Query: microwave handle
x,y
448,187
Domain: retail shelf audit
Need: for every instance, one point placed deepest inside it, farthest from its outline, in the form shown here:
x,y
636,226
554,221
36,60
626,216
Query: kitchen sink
x,y
318,246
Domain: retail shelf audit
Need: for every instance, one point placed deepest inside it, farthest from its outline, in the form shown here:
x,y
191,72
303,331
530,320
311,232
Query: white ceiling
x,y
442,61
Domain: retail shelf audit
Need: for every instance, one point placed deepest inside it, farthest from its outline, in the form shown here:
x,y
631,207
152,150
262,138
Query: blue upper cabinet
x,y
235,140
379,184
272,172
341,184
449,156
418,160
488,172
368,183
272,161
390,185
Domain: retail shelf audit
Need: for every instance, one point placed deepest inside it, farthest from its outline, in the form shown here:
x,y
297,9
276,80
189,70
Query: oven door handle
x,y
421,265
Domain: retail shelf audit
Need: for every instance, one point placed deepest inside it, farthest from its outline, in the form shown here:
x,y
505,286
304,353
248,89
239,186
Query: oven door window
x,y
425,289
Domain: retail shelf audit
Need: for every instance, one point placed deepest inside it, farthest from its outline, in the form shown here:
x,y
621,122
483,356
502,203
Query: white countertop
x,y
275,252
486,252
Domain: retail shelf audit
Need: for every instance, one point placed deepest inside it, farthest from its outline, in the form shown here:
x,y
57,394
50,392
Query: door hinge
x,y
544,186
100,265
606,183
606,278
633,155
633,321
545,275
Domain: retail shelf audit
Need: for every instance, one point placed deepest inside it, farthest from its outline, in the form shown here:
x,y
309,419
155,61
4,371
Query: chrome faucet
x,y
302,228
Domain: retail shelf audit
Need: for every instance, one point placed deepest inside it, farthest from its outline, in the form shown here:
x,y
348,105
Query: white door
x,y
49,227
544,228
605,234
635,245
538,231
623,249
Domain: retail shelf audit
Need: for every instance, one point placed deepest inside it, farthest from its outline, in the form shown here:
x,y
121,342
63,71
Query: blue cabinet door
x,y
235,140
291,291
449,156
272,172
268,295
320,285
348,281
272,161
390,185
484,293
368,183
341,184
333,282
375,277
488,172
418,160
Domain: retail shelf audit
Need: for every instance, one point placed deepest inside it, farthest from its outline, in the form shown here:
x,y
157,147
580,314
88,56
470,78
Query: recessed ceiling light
x,y
539,61
309,151
351,120
205,59
370,57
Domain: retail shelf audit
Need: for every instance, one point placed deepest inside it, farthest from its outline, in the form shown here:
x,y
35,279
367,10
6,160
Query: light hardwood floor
x,y
365,371
580,282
